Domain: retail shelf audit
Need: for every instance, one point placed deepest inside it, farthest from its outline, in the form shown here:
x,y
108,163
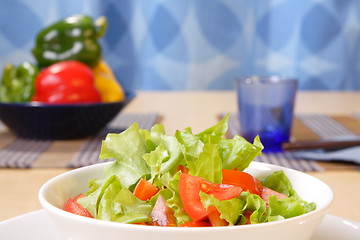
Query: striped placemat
x,y
25,153
307,127
21,153
357,115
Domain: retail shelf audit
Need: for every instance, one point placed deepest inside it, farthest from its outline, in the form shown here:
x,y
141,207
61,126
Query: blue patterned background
x,y
205,44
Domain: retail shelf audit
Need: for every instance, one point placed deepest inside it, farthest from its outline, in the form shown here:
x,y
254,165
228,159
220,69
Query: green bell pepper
x,y
17,83
72,38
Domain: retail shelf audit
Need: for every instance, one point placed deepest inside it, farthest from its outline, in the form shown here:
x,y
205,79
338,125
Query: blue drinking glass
x,y
266,106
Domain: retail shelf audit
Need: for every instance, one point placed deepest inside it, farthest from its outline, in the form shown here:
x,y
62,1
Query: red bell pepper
x,y
66,82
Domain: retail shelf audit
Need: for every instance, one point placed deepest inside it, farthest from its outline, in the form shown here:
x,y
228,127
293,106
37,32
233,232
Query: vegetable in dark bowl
x,y
59,122
72,38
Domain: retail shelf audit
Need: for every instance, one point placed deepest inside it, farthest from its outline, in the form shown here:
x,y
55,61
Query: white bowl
x,y
56,191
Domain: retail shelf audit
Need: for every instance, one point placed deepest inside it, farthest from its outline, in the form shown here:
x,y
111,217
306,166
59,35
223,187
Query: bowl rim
x,y
114,225
130,95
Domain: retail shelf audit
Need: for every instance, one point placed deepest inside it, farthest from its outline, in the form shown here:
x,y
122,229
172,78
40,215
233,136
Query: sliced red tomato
x,y
247,216
195,224
267,192
162,214
74,207
241,179
183,169
220,191
190,187
214,217
144,190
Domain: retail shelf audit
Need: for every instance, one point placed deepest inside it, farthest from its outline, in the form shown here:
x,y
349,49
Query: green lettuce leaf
x,y
238,152
256,205
155,159
92,199
171,147
153,137
218,130
208,165
278,182
285,207
191,145
112,202
289,207
127,148
133,209
230,210
172,196
175,152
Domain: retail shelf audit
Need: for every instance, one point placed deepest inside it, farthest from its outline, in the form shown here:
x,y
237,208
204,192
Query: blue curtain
x,y
205,44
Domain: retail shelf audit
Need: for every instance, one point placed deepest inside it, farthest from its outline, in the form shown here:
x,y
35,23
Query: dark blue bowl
x,y
59,122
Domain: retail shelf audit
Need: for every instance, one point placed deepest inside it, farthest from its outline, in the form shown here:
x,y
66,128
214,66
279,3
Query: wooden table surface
x,y
198,109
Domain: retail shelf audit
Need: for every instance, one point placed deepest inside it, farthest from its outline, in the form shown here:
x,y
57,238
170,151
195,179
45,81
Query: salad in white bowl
x,y
186,181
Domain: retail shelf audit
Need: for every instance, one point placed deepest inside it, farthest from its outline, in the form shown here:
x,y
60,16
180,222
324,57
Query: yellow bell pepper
x,y
106,83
